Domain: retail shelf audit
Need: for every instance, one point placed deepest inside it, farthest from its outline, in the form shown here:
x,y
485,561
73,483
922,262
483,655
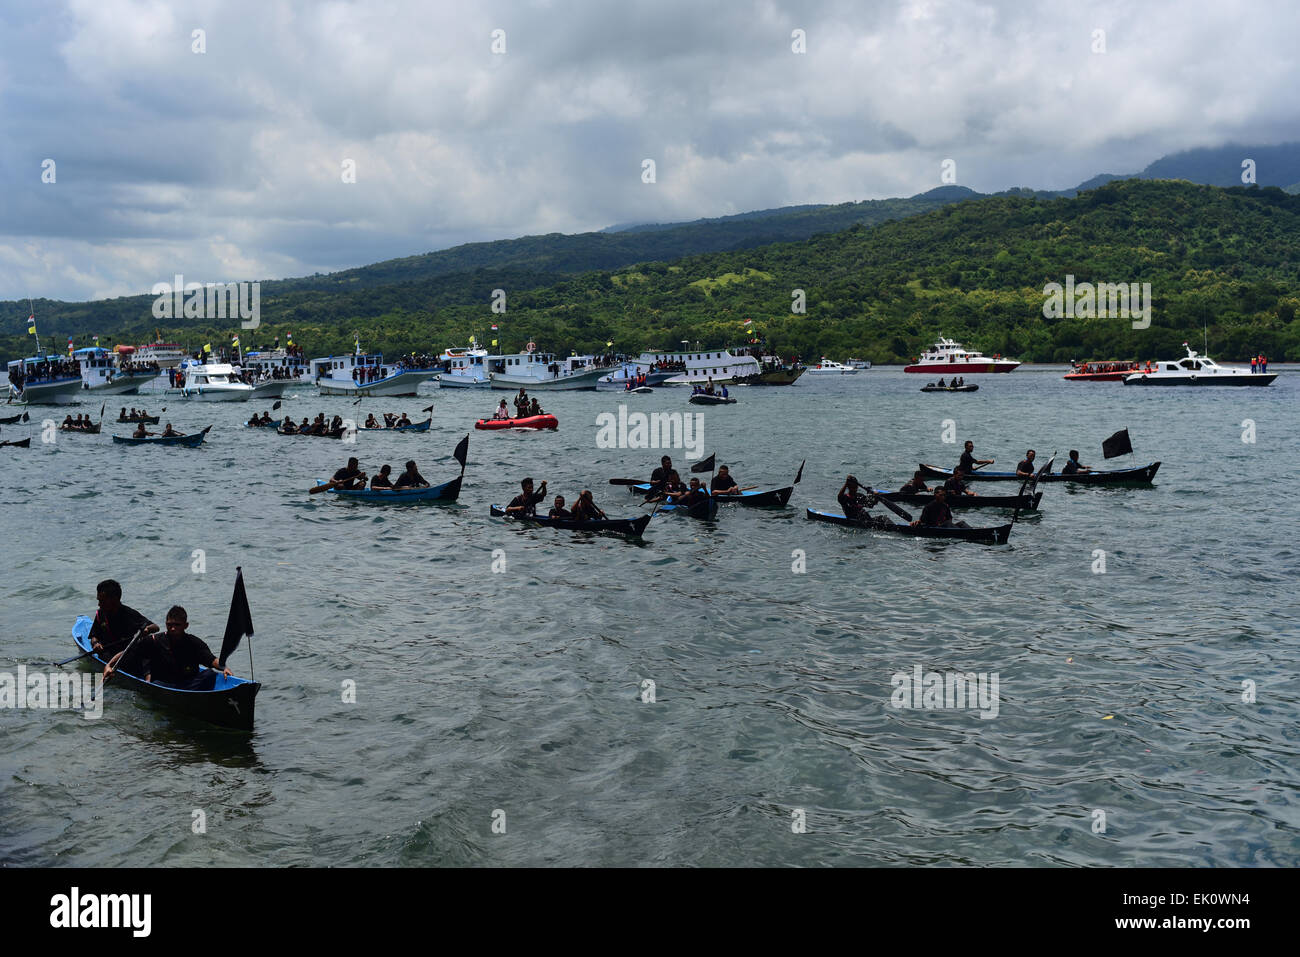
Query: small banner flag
x,y
239,622
234,342
429,409
276,405
69,345
462,451
494,328
610,343
289,338
1117,444
494,342
800,473
749,322
207,347
706,465
26,417
31,325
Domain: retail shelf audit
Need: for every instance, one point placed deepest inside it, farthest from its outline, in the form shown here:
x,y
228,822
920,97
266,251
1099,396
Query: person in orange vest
x,y
1263,362
1254,361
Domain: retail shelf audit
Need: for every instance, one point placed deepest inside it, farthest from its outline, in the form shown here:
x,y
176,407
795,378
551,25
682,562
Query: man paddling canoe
x,y
169,432
692,496
1025,469
115,623
558,510
854,502
525,505
350,476
382,480
936,514
724,484
173,658
1073,466
584,509
411,478
141,432
957,484
968,460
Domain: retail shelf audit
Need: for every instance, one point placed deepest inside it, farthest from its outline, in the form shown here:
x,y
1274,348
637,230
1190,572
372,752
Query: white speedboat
x,y
45,380
210,382
361,374
539,370
947,357
829,367
1198,370
112,373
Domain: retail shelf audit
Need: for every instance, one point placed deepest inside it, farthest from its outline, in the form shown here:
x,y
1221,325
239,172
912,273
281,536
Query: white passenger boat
x,y
367,374
275,371
45,380
540,370
463,369
829,367
947,357
1198,370
861,364
718,365
112,373
210,382
166,355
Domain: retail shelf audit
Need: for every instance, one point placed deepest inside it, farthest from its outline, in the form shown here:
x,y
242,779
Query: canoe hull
x,y
1026,503
447,492
632,527
755,498
414,427
20,444
186,441
1138,476
948,388
228,705
698,399
996,535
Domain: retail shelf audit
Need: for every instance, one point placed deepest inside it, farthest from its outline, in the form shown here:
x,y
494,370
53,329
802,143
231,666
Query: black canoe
x,y
755,498
93,430
20,444
1026,503
191,441
703,398
996,535
1116,477
229,703
146,419
413,427
950,388
313,435
10,420
273,424
621,526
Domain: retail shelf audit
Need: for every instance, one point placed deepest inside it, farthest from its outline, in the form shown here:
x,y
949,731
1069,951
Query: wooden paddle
x,y
332,483
111,670
896,509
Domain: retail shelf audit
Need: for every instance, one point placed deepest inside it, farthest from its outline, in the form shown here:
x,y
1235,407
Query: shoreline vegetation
x,y
973,269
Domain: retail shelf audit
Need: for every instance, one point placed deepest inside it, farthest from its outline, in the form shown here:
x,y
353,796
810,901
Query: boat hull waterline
x,y
995,535
632,527
1144,474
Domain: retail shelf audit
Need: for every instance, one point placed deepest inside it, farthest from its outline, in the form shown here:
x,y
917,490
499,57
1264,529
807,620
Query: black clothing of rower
x,y
382,480
1025,468
115,624
660,474
526,503
175,658
724,483
853,501
410,478
936,513
1073,466
692,496
350,476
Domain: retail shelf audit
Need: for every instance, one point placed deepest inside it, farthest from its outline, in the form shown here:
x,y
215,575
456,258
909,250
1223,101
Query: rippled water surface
x,y
517,695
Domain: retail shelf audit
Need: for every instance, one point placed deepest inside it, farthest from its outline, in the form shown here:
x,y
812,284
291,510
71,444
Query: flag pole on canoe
x,y
239,623
1031,483
461,453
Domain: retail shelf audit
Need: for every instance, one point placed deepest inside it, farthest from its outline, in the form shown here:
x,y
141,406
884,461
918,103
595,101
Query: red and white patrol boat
x,y
947,357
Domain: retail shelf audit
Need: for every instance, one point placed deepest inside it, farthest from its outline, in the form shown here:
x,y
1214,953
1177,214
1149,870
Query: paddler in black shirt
x,y
937,514
968,460
853,501
168,432
661,474
558,510
724,484
916,484
115,624
526,504
957,484
584,509
382,481
411,478
350,476
692,496
141,432
1026,467
1072,467
174,658
662,490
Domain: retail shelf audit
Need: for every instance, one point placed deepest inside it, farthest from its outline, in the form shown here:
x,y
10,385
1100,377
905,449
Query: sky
x,y
227,155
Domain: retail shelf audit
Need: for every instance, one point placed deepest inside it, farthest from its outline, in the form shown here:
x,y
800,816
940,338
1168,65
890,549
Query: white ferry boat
x,y
167,355
464,369
1198,370
112,373
540,370
861,364
210,382
720,365
367,374
45,380
947,357
828,367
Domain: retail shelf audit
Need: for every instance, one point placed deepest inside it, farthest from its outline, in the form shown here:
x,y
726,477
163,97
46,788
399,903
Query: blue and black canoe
x,y
228,704
1025,503
755,498
995,535
189,441
632,527
413,427
446,492
1137,476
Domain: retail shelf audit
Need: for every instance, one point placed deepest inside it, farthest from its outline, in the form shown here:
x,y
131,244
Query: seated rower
x,y
724,484
937,514
968,460
122,415
67,425
175,658
403,422
336,425
115,624
350,476
304,427
389,419
287,425
140,432
169,432
524,505
584,509
855,503
1025,469
691,496
254,422
382,480
666,487
535,408
941,385
502,412
916,484
372,422
266,418
724,392
411,478
558,510
661,474
1072,466
956,485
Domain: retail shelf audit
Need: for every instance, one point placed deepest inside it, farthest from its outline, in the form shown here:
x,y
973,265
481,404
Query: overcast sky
x,y
228,164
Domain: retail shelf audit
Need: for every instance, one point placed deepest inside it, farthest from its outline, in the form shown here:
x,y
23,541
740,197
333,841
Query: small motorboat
x,y
1198,370
545,421
949,388
704,398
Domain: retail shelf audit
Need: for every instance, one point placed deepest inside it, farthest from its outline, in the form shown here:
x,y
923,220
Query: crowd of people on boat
x,y
710,389
524,408
350,477
142,433
47,370
524,505
1098,368
1259,364
637,380
318,426
81,423
133,415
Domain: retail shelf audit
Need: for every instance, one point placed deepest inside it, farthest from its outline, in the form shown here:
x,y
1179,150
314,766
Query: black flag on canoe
x,y
276,406
240,621
429,409
462,451
1117,444
706,465
799,474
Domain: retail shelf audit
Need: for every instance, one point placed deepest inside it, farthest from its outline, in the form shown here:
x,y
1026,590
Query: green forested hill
x,y
972,270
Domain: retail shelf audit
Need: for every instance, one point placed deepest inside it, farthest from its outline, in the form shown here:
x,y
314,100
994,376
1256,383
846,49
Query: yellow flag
x,y
494,342
207,347
31,325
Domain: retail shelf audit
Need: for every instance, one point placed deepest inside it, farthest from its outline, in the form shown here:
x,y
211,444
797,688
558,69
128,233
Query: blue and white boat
x,y
45,380
108,373
361,374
